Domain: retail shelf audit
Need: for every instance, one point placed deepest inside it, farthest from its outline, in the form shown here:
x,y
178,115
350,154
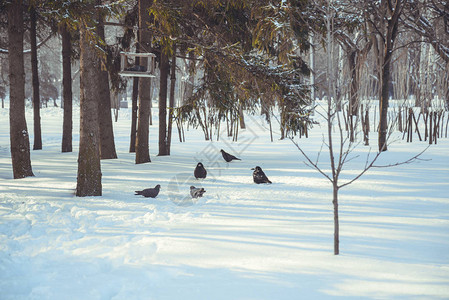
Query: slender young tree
x,y
172,99
340,149
89,168
67,124
35,75
134,110
163,88
19,139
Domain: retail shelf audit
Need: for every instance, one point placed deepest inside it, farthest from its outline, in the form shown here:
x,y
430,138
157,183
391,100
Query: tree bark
x,y
142,137
172,99
19,139
35,74
107,144
89,168
163,87
383,102
67,125
241,116
134,108
353,91
336,220
392,14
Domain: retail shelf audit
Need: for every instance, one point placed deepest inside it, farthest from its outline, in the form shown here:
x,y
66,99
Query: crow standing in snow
x,y
228,157
200,171
149,192
259,176
196,192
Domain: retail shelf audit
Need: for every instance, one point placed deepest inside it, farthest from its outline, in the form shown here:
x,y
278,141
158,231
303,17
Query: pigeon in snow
x,y
259,176
200,171
196,192
228,157
149,192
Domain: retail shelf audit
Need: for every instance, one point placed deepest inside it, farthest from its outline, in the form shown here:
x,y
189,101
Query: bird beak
x,y
252,168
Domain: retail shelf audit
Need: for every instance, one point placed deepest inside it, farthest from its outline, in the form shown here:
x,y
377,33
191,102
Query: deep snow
x,y
240,241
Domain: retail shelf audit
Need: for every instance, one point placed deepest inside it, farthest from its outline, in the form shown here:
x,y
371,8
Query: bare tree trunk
x,y
163,87
241,116
107,144
172,99
332,111
189,84
283,119
338,70
89,168
19,138
353,91
142,137
67,125
35,74
383,103
447,98
335,173
392,12
336,220
134,108
312,70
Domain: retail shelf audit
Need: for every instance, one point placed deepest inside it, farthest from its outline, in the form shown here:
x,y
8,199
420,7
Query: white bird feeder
x,y
141,70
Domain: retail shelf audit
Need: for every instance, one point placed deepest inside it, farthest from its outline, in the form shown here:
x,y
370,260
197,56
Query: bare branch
x,y
319,154
363,171
5,51
311,163
408,161
371,165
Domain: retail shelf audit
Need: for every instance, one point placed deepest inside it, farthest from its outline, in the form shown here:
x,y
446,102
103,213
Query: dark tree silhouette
x,y
89,168
20,143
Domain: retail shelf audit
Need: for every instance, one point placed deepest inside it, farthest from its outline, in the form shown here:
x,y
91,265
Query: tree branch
x,y
311,163
372,165
4,51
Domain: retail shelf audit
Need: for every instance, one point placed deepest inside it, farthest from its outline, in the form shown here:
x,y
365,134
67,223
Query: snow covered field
x,y
240,241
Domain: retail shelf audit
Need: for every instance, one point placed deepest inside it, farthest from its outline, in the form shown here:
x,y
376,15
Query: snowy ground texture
x,y
240,241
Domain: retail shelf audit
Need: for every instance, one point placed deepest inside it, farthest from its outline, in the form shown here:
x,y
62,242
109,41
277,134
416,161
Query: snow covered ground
x,y
240,241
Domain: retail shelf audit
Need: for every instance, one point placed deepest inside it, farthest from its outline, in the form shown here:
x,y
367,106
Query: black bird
x,y
196,192
149,192
228,157
200,171
259,176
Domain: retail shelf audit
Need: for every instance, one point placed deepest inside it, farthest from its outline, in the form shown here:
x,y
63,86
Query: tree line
x,y
241,55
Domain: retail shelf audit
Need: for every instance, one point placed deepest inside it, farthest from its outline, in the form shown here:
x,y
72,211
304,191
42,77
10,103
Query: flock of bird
x,y
201,173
